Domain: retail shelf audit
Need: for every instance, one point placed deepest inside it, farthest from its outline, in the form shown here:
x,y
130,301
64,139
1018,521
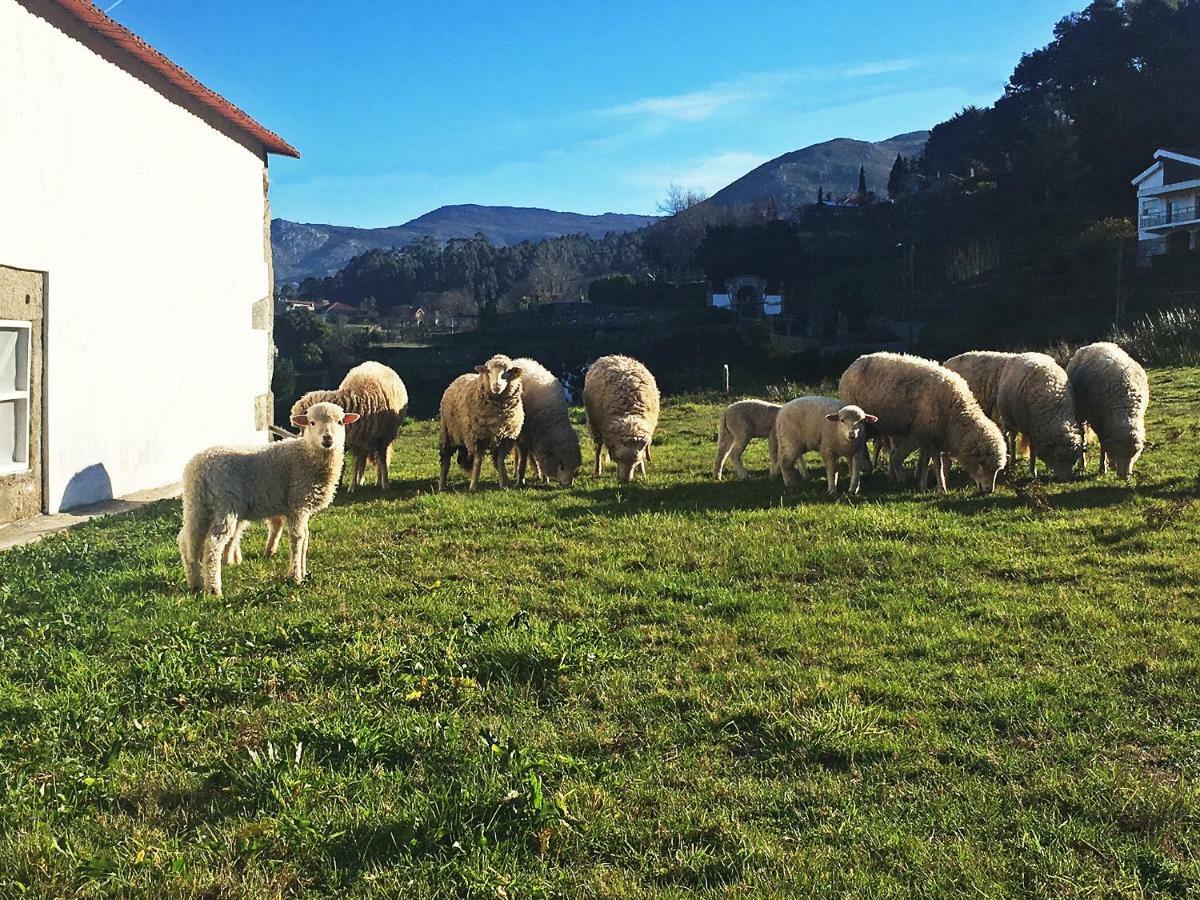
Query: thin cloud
x,y
886,67
708,174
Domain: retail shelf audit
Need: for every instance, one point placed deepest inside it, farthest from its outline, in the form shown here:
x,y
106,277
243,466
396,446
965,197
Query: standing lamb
x,y
919,400
1111,395
377,395
224,487
740,424
825,425
1034,399
621,399
481,414
981,370
547,435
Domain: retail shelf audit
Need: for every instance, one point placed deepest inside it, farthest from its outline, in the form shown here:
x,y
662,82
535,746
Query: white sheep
x,y
547,436
920,402
225,487
621,399
1034,400
377,395
981,370
741,422
1111,395
823,424
482,413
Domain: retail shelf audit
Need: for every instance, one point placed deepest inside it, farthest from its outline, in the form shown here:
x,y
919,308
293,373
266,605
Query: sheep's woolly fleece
x,y
981,369
1034,399
1112,393
547,432
622,403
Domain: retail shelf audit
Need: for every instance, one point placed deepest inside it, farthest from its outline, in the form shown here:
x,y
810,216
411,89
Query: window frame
x,y
21,398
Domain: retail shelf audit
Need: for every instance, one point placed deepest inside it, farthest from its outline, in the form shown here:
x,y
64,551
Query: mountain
x,y
793,179
301,250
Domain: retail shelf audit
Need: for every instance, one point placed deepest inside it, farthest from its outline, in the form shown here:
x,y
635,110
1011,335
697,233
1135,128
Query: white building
x,y
1168,197
135,262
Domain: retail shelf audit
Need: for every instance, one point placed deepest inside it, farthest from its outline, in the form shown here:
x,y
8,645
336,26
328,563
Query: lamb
x,y
225,487
918,400
547,436
1111,395
825,425
981,370
1034,399
741,423
377,395
621,399
482,413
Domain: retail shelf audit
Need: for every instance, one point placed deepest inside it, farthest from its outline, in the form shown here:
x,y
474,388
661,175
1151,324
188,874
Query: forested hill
x,y
304,250
793,179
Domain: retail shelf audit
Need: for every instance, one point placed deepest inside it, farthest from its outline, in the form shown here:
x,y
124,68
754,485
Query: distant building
x,y
341,311
1168,198
748,295
136,287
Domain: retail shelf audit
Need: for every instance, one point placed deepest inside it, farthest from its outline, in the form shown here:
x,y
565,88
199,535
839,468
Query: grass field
x,y
672,688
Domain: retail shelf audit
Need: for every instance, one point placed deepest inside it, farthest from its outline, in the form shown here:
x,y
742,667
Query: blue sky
x,y
400,107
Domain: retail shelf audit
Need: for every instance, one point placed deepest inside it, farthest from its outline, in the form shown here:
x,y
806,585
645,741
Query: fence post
x,y
726,367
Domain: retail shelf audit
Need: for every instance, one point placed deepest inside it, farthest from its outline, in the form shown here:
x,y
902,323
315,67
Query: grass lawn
x,y
671,688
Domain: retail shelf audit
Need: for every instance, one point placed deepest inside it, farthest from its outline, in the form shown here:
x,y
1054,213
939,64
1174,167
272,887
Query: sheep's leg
x,y
298,534
939,461
383,465
1103,460
773,451
500,461
724,448
522,464
274,533
739,448
599,458
191,552
447,455
1032,461
831,473
476,466
219,534
923,470
856,470
787,467
233,550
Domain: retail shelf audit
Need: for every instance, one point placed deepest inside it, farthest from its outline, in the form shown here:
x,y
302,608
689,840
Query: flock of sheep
x,y
971,411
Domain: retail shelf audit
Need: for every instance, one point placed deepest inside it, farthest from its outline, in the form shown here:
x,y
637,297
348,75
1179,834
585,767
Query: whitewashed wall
x,y
150,225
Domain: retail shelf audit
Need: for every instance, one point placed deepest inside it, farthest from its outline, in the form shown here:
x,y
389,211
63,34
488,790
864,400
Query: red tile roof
x,y
93,18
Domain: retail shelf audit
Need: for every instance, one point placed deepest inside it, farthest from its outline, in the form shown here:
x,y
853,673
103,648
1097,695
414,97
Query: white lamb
x,y
622,401
823,424
1111,395
741,422
547,436
1034,400
481,414
291,481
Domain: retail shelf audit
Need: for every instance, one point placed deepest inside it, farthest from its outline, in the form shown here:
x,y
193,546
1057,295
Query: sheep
x,y
226,487
918,401
378,396
822,424
1111,395
981,370
1034,400
482,412
547,437
621,399
741,423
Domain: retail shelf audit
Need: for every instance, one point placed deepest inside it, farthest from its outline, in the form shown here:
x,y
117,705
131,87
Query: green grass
x,y
672,688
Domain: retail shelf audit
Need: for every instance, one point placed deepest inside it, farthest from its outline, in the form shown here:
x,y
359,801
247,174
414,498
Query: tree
x,y
898,181
680,200
820,194
862,181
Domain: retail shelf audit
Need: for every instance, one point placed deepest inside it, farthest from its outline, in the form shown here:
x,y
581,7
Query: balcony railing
x,y
1171,217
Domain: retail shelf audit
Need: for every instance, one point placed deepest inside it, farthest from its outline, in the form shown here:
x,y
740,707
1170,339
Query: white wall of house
x,y
150,224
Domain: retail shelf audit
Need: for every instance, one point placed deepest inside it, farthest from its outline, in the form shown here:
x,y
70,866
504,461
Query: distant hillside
x,y
301,250
793,179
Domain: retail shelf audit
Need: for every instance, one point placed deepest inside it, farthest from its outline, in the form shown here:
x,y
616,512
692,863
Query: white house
x,y
1168,197
135,262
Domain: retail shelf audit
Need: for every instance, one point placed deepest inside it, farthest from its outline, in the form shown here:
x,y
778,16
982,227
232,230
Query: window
x,y
14,396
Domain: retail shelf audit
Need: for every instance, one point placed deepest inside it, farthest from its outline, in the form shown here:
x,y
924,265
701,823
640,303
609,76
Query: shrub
x,y
1170,337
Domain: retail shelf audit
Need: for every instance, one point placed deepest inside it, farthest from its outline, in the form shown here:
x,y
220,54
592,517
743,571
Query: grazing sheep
x,y
825,425
918,401
377,395
981,370
481,414
547,435
740,424
225,487
621,400
1111,395
1034,399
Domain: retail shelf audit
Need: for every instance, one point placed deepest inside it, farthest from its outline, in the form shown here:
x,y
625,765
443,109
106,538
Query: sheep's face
x,y
627,455
1063,456
983,464
852,422
324,425
498,374
1123,455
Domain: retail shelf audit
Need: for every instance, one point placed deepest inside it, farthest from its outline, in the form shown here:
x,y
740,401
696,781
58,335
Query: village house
x,y
135,263
1168,198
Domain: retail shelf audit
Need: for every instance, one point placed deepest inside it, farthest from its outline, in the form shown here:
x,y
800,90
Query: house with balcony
x,y
1168,198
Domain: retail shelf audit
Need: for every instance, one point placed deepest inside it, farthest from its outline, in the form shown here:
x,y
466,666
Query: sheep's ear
x,y
832,417
515,372
349,418
871,419
482,370
300,421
